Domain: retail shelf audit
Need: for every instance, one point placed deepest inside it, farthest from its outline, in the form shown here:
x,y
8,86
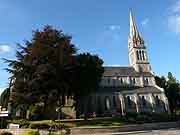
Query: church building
x,y
123,90
132,88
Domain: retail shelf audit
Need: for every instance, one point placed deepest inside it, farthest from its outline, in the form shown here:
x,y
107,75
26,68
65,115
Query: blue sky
x,y
97,26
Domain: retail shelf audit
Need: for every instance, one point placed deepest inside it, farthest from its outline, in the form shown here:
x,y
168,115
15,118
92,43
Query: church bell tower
x,y
136,48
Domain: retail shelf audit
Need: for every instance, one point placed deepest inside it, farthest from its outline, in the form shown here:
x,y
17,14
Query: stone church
x,y
124,89
132,88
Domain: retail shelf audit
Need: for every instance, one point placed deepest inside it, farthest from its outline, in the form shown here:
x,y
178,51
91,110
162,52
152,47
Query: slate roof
x,y
123,71
130,90
149,89
116,89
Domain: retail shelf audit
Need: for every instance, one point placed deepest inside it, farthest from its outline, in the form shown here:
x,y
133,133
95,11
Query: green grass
x,y
98,122
102,122
69,123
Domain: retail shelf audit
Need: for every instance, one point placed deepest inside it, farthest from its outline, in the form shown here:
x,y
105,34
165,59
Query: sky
x,y
97,26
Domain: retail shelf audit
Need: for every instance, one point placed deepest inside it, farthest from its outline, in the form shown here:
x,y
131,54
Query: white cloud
x,y
114,27
174,23
175,8
110,35
145,21
4,48
173,19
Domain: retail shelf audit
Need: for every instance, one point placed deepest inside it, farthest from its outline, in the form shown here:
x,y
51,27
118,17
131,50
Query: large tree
x,y
172,90
42,71
48,68
88,77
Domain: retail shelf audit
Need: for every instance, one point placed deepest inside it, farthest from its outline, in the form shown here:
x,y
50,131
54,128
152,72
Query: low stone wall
x,y
126,128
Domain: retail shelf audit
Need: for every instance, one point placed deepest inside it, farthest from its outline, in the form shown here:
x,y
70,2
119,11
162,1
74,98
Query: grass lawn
x,y
96,122
101,122
69,123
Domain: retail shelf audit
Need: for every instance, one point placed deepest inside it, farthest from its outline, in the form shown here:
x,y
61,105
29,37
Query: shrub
x,y
131,120
131,114
52,134
39,126
4,123
24,123
140,119
55,134
33,133
35,112
6,133
82,116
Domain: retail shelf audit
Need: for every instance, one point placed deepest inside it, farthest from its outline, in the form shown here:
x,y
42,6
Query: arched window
x,y
140,55
143,101
146,81
143,55
107,103
129,101
121,80
134,80
114,82
108,80
114,101
137,54
157,101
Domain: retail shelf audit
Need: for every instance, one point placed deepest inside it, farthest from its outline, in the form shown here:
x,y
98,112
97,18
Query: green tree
x,y
161,81
173,96
4,98
48,68
171,78
172,90
42,71
88,77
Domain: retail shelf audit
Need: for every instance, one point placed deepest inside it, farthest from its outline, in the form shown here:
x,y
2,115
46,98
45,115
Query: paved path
x,y
150,132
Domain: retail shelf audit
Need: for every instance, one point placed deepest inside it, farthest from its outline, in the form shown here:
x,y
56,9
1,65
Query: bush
x,y
55,134
4,123
131,114
140,119
24,123
52,134
82,116
162,117
33,133
132,120
39,126
36,112
6,133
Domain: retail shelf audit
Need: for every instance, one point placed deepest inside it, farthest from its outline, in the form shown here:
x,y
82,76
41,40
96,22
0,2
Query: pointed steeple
x,y
137,50
134,34
133,29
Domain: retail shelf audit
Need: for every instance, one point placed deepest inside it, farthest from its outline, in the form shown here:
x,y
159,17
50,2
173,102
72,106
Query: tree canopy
x,y
48,67
4,98
172,90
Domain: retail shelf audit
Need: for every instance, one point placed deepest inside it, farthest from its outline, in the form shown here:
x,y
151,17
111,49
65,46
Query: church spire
x,y
134,34
133,29
137,50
